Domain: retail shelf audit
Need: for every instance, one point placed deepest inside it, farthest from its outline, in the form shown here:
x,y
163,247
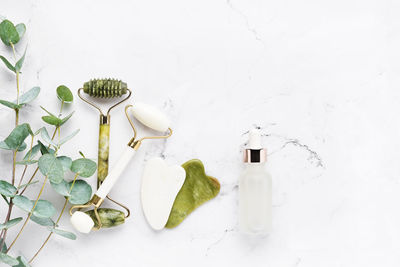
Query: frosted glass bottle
x,y
255,190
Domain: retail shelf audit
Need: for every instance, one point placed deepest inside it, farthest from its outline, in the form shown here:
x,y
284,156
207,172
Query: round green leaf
x,y
29,96
64,120
22,262
80,193
63,233
10,223
50,166
17,136
84,167
10,104
21,29
7,189
3,145
66,162
43,221
8,64
23,203
8,33
44,209
51,120
64,94
8,259
61,188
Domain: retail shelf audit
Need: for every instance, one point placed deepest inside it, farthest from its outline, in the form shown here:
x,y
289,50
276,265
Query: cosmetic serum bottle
x,y
255,189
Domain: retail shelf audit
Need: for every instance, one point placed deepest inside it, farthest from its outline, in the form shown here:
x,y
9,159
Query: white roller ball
x,y
82,222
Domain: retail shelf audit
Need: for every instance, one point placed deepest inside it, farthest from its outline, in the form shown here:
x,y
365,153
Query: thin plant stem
x,y
10,206
26,166
29,215
38,197
58,220
37,168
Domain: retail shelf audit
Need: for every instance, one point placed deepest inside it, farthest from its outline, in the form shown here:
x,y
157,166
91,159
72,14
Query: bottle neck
x,y
253,165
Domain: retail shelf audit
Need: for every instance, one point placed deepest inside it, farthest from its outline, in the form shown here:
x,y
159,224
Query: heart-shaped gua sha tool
x,y
160,185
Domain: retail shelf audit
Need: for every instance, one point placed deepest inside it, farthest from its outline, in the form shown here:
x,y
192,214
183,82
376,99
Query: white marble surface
x,y
319,77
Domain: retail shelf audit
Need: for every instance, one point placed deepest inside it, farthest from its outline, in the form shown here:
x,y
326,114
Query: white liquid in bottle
x,y
255,190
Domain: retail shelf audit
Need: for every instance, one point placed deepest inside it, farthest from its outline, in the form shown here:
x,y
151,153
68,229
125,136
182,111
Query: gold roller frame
x,y
105,88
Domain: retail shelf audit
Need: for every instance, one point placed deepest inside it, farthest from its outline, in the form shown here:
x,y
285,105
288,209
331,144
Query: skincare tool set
x,y
169,193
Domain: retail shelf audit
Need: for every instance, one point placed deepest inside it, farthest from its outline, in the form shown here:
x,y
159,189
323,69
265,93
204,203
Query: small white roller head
x,y
151,117
82,222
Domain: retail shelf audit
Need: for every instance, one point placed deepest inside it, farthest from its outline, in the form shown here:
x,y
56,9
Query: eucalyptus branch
x,y
14,159
36,201
26,166
37,168
53,167
29,215
58,220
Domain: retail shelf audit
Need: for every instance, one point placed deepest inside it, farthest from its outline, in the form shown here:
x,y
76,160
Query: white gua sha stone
x,y
160,185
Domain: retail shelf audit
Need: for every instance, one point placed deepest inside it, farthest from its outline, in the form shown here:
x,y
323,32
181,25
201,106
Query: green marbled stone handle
x,y
104,143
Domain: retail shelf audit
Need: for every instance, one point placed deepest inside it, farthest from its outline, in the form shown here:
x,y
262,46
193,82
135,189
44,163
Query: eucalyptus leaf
x,y
48,112
38,131
28,184
50,166
45,135
3,145
23,203
84,167
66,162
64,94
18,135
10,223
10,104
43,221
52,120
20,62
64,120
4,248
8,259
26,162
32,152
30,95
22,262
8,64
7,189
62,188
44,149
81,192
21,29
8,33
44,209
69,137
63,233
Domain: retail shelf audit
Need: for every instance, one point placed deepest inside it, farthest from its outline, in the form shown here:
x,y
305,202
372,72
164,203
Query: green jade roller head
x,y
105,88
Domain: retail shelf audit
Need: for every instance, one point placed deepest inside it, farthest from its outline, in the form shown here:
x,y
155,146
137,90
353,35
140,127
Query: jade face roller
x,y
148,116
105,88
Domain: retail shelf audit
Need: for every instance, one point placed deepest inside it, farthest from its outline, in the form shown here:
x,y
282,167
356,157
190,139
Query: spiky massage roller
x,y
105,88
